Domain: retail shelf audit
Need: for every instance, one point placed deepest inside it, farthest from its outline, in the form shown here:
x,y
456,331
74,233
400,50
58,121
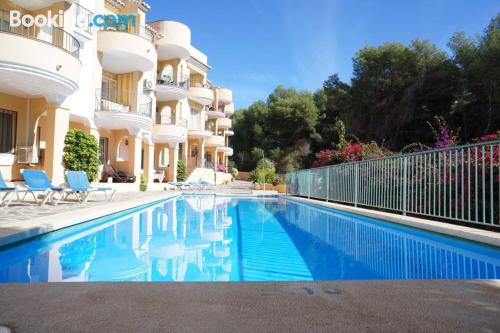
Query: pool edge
x,y
27,229
477,235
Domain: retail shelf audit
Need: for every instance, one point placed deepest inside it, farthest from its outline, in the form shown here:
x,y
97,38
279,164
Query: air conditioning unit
x,y
148,85
27,155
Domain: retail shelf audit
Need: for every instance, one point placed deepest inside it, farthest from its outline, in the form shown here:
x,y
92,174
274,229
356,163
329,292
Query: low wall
x,y
242,175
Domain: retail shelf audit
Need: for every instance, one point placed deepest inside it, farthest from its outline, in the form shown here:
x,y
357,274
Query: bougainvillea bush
x,y
350,153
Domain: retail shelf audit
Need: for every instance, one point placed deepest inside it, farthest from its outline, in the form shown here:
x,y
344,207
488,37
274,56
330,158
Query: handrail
x,y
138,30
200,84
165,120
49,34
83,16
123,101
460,183
174,78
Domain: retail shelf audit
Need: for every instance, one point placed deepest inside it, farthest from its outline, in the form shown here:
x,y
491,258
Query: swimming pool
x,y
223,238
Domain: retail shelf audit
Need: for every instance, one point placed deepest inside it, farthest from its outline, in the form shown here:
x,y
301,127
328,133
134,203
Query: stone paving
x,y
18,211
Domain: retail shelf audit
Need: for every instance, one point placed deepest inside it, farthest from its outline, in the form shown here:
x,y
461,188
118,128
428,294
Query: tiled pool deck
x,y
330,306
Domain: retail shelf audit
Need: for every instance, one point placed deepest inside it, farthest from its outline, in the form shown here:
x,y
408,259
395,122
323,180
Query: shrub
x,y
350,153
265,163
233,171
143,186
323,158
181,171
81,153
264,173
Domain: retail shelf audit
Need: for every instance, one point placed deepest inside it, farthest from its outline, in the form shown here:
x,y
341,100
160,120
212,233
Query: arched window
x,y
122,150
163,159
168,75
166,115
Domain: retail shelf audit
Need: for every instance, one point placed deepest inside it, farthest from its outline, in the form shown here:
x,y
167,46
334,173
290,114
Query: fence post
x,y
309,182
405,183
356,182
327,183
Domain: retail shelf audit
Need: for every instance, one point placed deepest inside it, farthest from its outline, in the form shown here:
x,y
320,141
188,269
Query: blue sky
x,y
254,45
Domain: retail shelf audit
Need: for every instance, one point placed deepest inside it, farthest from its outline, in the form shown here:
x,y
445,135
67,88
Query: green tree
x,y
397,89
478,100
181,171
81,153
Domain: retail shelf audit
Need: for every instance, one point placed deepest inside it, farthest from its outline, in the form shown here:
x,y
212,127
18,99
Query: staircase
x,y
207,175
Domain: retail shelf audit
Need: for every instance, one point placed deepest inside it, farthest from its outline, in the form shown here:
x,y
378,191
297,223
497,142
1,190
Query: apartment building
x,y
142,90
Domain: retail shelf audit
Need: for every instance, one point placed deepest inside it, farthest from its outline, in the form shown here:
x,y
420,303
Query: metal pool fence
x,y
458,183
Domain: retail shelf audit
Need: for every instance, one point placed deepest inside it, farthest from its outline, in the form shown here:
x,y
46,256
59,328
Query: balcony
x,y
127,49
228,133
215,141
229,109
214,114
176,40
197,128
34,4
123,110
38,61
83,20
201,92
224,123
172,86
168,130
228,151
225,96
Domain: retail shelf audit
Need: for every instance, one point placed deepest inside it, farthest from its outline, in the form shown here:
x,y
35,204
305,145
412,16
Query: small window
x,y
103,150
163,158
194,151
8,130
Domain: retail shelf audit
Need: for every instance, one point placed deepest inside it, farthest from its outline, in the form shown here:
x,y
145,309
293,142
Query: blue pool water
x,y
220,238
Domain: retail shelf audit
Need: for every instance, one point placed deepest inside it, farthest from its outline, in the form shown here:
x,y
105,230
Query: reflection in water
x,y
214,238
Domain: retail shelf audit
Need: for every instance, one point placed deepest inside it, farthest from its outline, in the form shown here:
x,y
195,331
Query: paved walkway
x,y
30,210
330,306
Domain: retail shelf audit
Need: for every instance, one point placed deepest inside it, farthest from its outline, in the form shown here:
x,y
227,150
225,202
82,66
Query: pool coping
x,y
26,229
464,232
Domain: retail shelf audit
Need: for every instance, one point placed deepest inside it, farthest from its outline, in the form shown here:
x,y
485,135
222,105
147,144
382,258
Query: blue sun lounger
x,y
37,181
5,192
79,185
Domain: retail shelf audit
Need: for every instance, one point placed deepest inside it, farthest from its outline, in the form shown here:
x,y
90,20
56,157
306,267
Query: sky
x,y
254,45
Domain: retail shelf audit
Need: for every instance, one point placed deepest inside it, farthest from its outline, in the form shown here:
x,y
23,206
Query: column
x,y
57,127
149,162
95,133
216,158
135,149
186,152
202,152
173,158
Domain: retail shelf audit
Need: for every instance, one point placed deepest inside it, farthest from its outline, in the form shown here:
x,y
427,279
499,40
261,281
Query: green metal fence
x,y
458,183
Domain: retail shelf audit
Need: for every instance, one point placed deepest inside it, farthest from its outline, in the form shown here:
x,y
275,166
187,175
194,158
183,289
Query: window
x,y
108,88
103,150
8,130
194,151
163,158
166,115
181,149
